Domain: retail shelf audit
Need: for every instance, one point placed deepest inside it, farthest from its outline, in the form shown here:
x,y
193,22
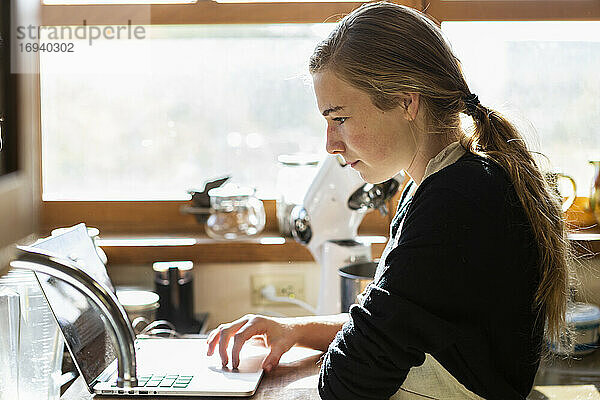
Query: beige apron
x,y
432,381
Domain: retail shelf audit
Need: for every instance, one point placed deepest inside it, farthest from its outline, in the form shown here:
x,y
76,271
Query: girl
x,y
476,265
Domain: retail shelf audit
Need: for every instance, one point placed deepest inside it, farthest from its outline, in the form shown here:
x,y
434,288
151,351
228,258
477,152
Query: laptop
x,y
169,367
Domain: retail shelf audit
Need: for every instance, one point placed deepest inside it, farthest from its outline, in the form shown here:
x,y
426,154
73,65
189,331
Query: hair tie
x,y
471,102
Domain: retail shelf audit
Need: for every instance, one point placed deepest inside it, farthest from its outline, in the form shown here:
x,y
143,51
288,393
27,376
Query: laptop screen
x,y
83,327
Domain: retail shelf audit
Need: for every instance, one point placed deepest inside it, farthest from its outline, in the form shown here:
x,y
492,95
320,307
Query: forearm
x,y
317,332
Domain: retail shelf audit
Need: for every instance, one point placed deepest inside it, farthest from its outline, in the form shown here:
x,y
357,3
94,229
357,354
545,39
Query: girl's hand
x,y
278,334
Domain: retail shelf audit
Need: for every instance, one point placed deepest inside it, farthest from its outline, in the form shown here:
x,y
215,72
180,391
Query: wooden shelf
x,y
145,249
584,237
586,243
202,249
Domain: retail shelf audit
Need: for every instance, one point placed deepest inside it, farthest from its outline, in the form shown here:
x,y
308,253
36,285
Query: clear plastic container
x,y
235,213
10,314
41,344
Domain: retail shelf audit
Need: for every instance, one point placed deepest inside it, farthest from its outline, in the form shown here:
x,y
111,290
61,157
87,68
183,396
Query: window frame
x,y
151,217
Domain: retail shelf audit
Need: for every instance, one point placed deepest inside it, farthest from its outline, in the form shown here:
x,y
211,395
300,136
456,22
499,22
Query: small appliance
x,y
174,284
327,222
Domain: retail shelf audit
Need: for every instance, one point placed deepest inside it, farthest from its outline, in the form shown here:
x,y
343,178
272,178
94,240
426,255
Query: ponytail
x,y
497,139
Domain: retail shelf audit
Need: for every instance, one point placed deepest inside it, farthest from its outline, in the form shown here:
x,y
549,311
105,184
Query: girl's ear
x,y
410,103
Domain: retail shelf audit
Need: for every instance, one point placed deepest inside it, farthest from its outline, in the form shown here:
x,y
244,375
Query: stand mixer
x,y
327,222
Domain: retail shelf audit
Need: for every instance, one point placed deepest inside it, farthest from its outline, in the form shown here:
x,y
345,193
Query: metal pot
x,y
354,278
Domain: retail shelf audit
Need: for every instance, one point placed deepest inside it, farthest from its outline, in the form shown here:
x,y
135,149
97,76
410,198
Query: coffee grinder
x,y
173,281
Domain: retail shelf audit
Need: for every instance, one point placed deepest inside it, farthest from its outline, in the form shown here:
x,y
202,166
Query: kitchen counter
x,y
297,377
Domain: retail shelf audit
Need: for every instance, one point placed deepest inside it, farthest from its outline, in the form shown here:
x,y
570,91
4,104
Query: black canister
x,y
174,285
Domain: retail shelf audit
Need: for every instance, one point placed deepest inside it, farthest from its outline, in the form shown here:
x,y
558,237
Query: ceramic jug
x,y
552,179
595,193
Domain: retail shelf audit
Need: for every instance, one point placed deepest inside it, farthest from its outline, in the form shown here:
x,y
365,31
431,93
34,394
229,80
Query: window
x,y
543,74
152,118
169,115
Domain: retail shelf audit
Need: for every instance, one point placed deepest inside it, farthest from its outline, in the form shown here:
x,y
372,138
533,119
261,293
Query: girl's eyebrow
x,y
332,109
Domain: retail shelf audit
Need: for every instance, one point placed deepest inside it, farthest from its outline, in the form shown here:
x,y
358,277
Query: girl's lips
x,y
354,163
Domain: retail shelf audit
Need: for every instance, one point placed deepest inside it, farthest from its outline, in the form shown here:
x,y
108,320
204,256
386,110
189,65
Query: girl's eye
x,y
341,120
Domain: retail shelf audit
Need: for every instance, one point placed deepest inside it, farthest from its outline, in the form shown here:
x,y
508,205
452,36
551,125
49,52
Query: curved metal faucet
x,y
39,260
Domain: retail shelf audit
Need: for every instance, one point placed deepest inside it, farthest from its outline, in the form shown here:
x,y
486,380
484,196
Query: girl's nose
x,y
334,145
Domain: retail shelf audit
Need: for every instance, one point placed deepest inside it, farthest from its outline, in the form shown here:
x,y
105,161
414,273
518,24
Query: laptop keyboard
x,y
163,381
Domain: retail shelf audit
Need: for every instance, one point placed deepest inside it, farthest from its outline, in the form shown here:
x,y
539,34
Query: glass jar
x,y
295,175
236,213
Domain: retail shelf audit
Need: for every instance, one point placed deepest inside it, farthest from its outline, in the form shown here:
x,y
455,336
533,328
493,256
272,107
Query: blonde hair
x,y
386,49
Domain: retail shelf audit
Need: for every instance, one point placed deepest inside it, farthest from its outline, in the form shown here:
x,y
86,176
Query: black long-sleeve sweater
x,y
458,285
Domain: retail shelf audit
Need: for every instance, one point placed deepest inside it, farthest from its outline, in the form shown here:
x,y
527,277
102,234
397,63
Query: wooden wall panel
x,y
202,12
511,10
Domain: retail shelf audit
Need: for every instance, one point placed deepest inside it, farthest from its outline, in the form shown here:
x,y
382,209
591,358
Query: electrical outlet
x,y
286,285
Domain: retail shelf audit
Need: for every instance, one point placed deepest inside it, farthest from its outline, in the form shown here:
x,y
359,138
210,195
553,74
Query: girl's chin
x,y
369,177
